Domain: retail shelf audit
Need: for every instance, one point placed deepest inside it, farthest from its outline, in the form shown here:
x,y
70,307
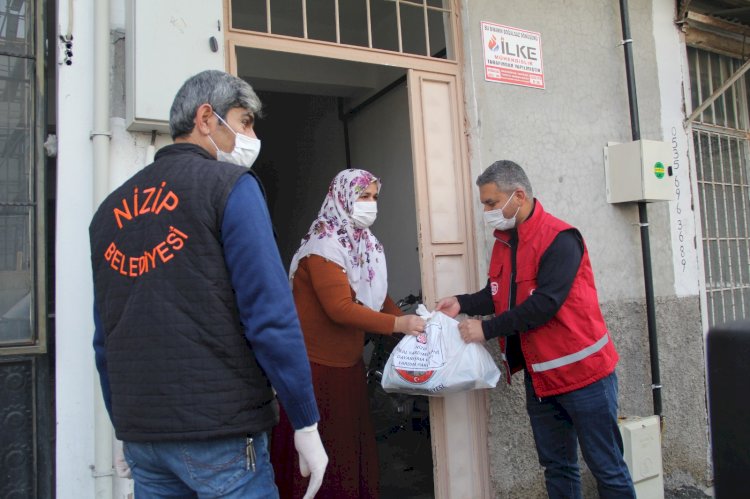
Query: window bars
x,y
18,206
418,27
720,135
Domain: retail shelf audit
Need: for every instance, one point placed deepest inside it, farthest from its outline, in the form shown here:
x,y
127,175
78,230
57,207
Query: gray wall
x,y
380,143
558,134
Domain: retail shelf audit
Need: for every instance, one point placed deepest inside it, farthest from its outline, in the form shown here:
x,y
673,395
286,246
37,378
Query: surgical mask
x,y
496,219
364,213
245,152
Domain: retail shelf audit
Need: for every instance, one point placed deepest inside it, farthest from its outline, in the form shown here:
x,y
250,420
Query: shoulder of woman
x,y
323,263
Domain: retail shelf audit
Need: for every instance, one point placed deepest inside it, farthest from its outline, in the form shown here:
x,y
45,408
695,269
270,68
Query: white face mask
x,y
496,219
245,152
364,213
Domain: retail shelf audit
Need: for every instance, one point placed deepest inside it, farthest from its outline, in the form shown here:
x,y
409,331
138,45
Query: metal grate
x,y
722,148
17,168
16,29
418,27
17,411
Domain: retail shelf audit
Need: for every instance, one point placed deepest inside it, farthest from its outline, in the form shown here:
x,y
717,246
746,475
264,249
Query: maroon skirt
x,y
346,430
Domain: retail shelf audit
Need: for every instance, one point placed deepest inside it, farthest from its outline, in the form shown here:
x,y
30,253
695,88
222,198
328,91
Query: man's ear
x,y
522,195
202,116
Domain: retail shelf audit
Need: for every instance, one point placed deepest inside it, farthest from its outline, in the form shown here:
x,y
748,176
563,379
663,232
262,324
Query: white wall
x,y
75,381
673,73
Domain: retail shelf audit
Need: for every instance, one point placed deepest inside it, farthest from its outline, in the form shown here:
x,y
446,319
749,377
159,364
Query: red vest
x,y
574,348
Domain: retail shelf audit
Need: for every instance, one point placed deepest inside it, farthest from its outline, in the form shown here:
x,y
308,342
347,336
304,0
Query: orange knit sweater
x,y
333,322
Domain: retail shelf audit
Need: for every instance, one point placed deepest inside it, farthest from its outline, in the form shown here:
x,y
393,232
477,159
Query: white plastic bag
x,y
438,361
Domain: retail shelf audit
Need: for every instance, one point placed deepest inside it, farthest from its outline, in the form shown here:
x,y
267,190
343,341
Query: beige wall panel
x,y
450,275
441,159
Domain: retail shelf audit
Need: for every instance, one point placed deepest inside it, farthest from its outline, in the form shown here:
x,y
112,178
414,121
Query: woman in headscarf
x,y
339,282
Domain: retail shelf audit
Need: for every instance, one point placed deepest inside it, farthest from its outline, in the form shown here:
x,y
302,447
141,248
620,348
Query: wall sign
x,y
512,55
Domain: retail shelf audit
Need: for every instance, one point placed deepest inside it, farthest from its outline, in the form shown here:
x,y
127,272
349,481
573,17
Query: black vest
x,y
178,362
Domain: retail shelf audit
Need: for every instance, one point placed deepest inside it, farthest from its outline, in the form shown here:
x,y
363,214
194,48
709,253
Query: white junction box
x,y
639,171
641,438
166,42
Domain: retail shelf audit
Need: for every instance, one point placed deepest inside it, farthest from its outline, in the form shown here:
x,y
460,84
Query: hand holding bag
x,y
438,361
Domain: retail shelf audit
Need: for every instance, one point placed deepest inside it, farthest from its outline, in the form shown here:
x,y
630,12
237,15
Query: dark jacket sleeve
x,y
479,303
100,357
265,302
557,271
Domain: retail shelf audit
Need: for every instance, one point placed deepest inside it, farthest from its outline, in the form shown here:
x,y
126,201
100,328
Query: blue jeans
x,y
221,467
587,416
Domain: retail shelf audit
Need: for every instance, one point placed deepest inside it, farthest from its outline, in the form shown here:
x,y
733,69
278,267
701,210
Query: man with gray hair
x,y
195,321
546,314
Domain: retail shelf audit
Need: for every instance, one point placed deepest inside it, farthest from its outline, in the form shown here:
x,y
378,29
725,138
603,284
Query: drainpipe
x,y
643,217
100,137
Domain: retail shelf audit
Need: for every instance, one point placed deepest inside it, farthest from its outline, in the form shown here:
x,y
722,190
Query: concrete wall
x,y
557,134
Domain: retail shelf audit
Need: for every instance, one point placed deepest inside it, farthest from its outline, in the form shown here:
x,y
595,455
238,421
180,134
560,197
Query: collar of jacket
x,y
182,148
527,229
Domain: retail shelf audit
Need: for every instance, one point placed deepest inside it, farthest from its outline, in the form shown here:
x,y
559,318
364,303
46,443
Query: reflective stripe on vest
x,y
573,357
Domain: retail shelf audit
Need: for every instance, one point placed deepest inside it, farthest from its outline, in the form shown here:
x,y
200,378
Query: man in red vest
x,y
546,315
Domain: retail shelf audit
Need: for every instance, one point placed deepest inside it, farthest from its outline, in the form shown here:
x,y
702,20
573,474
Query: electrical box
x,y
166,42
641,438
639,171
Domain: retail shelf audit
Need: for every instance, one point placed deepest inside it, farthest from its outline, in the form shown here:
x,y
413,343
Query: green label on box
x,y
659,170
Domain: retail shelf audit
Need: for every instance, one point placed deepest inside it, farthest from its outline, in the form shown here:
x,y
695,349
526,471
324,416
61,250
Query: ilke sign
x,y
512,55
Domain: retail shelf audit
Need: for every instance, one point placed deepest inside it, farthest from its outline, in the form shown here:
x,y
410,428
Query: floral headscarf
x,y
334,236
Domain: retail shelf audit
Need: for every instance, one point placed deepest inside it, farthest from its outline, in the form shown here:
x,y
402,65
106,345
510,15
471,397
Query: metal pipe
x,y
100,136
643,217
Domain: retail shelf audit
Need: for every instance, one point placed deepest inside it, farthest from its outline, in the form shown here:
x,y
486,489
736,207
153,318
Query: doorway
x,y
321,116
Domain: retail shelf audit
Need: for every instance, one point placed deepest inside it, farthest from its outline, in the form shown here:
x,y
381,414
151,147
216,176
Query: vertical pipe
x,y
338,21
398,27
268,16
369,23
426,31
100,136
345,121
304,18
643,217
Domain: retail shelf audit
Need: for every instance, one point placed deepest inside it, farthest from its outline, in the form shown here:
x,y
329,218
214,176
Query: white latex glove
x,y
312,457
121,465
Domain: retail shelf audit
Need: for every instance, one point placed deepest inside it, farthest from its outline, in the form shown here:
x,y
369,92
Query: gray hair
x,y
508,177
217,88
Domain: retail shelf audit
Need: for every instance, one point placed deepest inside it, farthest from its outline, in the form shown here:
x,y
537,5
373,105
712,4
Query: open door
x,y
446,248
